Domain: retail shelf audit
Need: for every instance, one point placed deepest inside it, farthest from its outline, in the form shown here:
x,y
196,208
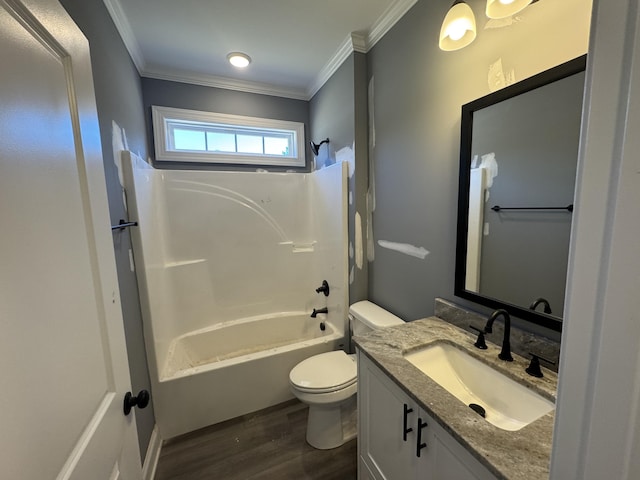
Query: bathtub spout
x,y
320,310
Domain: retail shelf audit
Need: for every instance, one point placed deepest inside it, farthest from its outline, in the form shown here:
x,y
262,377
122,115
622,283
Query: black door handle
x,y
406,430
140,401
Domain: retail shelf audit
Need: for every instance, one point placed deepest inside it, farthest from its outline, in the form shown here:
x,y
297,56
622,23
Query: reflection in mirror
x,y
518,156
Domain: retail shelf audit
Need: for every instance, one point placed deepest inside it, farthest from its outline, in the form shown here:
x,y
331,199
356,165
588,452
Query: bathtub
x,y
227,268
243,340
235,368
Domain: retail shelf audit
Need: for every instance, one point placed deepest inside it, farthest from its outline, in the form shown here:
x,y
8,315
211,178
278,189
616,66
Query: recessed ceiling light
x,y
240,60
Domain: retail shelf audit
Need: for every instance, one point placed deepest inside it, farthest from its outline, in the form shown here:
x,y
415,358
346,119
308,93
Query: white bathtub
x,y
219,257
235,368
243,340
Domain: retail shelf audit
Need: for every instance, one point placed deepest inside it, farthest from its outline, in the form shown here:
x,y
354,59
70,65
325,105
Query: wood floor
x,y
266,445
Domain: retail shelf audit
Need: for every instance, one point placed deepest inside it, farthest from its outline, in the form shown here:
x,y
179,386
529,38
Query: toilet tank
x,y
365,316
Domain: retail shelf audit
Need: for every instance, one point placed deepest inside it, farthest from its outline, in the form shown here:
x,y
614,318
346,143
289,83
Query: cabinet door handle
x,y
419,444
406,430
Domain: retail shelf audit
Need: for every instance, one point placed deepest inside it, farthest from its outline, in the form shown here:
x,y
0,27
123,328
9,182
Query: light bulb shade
x,y
505,8
458,27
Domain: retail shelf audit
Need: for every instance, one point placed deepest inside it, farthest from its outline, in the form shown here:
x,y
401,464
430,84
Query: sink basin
x,y
507,404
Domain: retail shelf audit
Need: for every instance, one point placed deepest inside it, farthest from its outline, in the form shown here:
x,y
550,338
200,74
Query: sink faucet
x,y
541,301
505,354
320,310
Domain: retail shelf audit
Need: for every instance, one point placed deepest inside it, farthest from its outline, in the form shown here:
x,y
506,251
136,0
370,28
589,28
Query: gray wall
x,y
416,107
418,94
118,99
338,111
210,99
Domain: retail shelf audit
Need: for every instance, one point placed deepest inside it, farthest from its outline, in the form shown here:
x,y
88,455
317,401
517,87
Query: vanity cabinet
x,y
397,440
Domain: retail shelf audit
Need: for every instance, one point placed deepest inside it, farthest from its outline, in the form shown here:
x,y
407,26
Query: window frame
x,y
166,118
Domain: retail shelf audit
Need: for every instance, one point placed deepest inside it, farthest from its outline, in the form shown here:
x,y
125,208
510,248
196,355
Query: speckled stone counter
x,y
518,455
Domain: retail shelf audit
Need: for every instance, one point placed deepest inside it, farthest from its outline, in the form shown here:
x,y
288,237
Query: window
x,y
192,136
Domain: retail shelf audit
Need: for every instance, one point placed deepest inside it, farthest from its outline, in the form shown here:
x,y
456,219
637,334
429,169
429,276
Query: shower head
x,y
315,147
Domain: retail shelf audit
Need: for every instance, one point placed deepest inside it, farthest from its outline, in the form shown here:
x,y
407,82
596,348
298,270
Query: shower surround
x,y
228,264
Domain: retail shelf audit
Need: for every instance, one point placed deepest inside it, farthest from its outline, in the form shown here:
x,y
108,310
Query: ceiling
x,y
295,45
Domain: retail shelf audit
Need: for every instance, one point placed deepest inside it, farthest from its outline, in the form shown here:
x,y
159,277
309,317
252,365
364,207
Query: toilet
x,y
327,382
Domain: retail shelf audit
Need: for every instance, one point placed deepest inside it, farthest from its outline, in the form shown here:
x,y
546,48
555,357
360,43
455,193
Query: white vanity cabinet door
x,y
452,461
384,452
386,455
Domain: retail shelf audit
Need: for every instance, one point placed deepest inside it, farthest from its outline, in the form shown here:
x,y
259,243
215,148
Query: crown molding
x,y
388,19
355,42
360,43
126,33
226,83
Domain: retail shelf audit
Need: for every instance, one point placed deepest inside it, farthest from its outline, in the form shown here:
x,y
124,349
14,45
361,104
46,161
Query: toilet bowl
x,y
328,382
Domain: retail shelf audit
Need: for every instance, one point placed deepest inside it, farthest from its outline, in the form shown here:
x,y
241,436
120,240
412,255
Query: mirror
x,y
518,156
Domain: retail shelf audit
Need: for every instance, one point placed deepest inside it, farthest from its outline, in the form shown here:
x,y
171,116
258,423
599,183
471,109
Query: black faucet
x,y
543,301
534,367
324,288
320,310
480,342
505,354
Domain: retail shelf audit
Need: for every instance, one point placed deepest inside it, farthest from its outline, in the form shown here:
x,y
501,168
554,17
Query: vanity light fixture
x,y
458,28
459,25
238,59
505,8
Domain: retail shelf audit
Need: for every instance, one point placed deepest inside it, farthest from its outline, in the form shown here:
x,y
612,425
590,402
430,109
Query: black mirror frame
x,y
554,74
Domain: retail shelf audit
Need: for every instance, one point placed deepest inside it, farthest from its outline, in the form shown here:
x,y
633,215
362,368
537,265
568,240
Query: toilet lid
x,y
325,372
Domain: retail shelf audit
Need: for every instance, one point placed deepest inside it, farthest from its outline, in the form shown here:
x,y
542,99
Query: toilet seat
x,y
324,373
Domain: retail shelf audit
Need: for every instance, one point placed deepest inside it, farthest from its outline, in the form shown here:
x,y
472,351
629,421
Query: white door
x,y
63,363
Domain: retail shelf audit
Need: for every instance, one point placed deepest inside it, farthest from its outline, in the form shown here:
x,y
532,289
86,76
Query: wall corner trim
x,y
359,42
152,456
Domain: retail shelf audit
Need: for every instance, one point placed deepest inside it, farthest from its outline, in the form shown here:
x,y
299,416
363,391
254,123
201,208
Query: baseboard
x,y
152,456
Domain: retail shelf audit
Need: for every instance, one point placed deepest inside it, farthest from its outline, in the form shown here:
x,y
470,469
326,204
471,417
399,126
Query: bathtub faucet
x,y
320,310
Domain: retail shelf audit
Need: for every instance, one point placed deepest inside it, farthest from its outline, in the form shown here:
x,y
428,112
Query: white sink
x,y
507,404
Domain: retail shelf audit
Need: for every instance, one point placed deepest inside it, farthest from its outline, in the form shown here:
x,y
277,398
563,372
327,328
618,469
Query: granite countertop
x,y
510,455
